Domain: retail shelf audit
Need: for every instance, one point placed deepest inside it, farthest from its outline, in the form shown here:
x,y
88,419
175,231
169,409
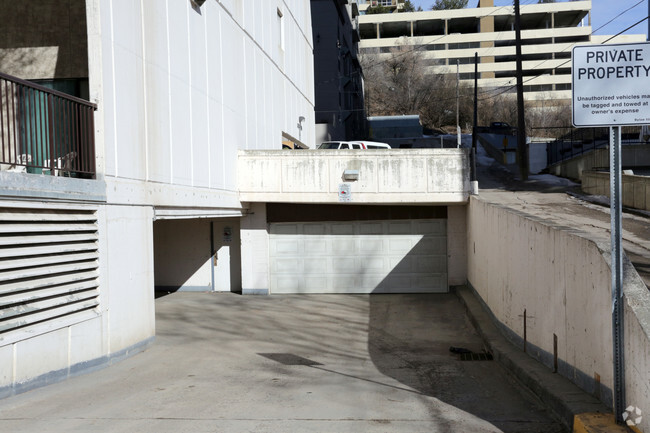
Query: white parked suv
x,y
353,145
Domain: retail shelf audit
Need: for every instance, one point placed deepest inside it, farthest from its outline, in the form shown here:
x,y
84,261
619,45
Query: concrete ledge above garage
x,y
404,176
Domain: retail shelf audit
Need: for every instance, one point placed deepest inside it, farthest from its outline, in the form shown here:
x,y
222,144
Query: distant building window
x,y
539,88
462,61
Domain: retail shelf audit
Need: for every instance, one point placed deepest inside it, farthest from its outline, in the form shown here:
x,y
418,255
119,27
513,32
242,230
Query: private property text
x,y
607,72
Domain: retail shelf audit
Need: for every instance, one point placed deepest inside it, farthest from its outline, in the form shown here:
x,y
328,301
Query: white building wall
x,y
185,88
182,89
179,90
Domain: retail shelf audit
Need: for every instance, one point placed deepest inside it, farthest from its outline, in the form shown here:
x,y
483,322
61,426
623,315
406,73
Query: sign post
x,y
611,87
617,271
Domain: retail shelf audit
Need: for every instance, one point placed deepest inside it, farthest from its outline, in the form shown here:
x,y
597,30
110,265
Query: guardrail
x,y
571,142
44,131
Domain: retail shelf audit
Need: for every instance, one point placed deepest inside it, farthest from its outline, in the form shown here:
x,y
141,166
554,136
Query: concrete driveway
x,y
331,363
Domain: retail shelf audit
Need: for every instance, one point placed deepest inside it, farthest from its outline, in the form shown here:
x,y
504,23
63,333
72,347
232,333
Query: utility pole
x,y
472,174
457,102
522,148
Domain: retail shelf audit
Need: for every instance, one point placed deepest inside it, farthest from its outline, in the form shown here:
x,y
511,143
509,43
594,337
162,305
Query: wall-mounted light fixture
x,y
300,120
199,3
351,175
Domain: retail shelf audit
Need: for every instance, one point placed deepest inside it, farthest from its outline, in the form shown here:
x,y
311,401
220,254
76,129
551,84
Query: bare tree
x,y
545,120
396,84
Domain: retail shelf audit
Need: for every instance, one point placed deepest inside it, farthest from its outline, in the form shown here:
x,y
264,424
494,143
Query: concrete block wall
x,y
562,280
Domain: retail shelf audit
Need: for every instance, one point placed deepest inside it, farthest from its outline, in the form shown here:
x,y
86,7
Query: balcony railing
x,y
44,131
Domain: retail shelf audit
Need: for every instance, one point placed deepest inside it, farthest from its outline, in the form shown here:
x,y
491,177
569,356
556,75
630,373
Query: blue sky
x,y
602,11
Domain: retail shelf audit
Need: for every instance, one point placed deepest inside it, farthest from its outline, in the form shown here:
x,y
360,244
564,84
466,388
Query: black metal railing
x,y
571,142
44,131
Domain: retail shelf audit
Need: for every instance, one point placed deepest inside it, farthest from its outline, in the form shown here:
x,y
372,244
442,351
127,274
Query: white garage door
x,y
395,256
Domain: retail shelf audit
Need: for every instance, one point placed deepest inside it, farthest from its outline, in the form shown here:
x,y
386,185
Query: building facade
x,y
131,184
338,77
391,5
449,39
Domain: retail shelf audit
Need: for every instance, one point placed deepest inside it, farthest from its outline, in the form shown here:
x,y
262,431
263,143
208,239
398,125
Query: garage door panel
x,y
343,245
370,281
401,265
427,246
286,266
347,264
343,229
316,284
314,266
371,228
430,227
285,229
287,246
399,245
399,228
398,282
374,264
289,284
359,257
344,282
431,264
371,246
315,229
316,246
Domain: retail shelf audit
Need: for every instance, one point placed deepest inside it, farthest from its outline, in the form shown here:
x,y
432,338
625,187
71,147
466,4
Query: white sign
x,y
345,192
611,84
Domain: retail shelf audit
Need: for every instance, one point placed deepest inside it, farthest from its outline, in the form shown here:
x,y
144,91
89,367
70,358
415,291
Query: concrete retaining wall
x,y
560,281
631,156
503,148
406,176
636,189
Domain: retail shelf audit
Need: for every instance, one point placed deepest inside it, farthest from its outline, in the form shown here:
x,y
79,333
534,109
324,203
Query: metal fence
x,y
44,131
568,142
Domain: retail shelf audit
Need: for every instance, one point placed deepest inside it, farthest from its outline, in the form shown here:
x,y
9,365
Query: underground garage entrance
x,y
357,249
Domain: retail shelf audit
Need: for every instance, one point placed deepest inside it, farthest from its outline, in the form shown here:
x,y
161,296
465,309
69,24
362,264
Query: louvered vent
x,y
48,269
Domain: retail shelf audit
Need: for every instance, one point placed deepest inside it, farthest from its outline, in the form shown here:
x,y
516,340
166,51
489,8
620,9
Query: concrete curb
x,y
564,398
